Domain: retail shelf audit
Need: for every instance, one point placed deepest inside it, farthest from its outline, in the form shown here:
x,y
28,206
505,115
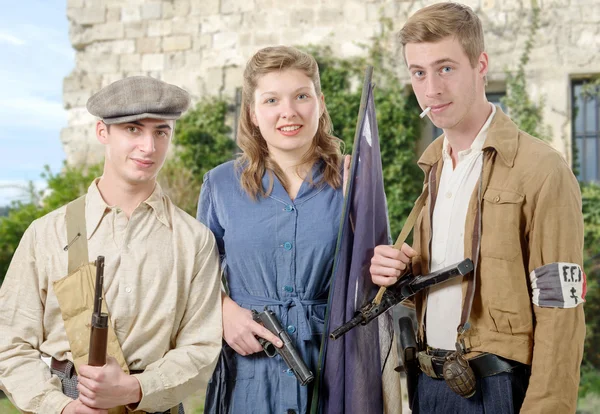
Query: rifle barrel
x,y
99,283
357,320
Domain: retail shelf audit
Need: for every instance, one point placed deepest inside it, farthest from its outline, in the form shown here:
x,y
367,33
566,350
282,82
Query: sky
x,y
36,55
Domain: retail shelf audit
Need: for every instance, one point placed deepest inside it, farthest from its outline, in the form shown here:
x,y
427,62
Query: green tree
x,y
527,114
591,216
397,119
61,188
202,141
67,185
4,211
203,138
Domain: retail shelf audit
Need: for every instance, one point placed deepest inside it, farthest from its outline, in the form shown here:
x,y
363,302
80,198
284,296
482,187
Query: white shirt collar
x,y
477,145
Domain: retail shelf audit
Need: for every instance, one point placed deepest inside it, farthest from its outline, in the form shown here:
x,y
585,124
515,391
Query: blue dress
x,y
276,253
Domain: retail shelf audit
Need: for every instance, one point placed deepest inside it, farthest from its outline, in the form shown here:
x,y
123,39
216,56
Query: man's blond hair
x,y
435,22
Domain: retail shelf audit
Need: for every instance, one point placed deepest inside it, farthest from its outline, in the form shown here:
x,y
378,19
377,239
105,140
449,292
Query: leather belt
x,y
66,366
431,363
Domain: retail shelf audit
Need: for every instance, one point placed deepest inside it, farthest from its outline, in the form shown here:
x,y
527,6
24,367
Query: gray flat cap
x,y
138,97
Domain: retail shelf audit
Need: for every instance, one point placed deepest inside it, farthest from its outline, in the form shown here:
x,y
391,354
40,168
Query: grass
x,y
589,404
192,405
195,404
6,407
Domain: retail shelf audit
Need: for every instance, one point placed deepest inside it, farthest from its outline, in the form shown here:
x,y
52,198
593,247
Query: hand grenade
x,y
459,375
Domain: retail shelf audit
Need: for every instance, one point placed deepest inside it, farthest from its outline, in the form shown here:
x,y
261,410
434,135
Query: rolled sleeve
x,y
54,402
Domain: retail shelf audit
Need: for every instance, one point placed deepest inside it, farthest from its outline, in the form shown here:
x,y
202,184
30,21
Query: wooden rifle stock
x,y
99,331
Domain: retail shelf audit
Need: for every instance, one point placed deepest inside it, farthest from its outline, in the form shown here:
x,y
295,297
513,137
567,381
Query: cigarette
x,y
425,112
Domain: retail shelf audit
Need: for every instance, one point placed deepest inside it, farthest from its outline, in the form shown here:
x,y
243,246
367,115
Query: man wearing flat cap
x,y
161,278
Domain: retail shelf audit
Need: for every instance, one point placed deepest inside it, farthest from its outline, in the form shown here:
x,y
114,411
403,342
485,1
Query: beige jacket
x,y
529,288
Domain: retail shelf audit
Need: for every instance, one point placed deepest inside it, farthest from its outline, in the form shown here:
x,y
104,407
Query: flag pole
x,y
366,89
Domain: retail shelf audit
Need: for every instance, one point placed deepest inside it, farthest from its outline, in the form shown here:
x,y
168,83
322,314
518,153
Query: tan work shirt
x,y
162,286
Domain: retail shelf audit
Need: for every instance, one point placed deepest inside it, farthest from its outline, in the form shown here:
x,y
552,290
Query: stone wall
x,y
202,45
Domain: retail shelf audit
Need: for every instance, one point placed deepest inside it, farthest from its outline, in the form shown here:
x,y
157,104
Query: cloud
x,y
53,40
11,40
17,190
33,111
36,56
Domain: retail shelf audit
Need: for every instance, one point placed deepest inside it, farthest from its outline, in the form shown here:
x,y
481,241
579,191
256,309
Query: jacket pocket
x,y
508,321
500,224
317,319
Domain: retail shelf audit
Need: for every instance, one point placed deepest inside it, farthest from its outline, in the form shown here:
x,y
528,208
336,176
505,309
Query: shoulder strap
x,y
472,281
406,229
412,218
77,246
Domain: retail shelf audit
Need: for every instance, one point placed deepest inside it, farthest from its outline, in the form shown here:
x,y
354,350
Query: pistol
x,y
288,352
99,332
403,289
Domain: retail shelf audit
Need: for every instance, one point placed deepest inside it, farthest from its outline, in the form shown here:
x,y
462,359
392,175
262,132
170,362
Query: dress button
x,y
497,199
288,207
291,329
128,289
288,289
290,372
287,246
448,194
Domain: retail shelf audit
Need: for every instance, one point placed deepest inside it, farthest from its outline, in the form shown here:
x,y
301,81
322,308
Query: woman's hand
x,y
240,330
346,174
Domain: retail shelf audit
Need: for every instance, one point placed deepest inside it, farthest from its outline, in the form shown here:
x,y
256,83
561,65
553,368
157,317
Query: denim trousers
x,y
502,393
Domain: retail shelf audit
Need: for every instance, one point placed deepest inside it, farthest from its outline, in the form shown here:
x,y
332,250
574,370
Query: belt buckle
x,y
426,365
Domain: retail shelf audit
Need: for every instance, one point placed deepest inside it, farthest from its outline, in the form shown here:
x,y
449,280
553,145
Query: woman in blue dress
x,y
275,214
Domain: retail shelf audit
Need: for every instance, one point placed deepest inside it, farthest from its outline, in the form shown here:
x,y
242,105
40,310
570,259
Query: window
x,y
586,133
493,97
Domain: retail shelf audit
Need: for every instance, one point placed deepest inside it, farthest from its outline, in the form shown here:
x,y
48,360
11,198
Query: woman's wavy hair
x,y
255,161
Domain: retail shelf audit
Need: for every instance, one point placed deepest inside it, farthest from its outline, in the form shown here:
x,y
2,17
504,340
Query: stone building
x,y
202,45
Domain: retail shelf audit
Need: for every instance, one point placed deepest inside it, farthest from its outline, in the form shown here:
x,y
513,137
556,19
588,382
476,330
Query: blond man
x,y
510,203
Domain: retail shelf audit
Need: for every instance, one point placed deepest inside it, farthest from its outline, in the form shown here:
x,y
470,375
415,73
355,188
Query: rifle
x,y
288,352
403,289
99,332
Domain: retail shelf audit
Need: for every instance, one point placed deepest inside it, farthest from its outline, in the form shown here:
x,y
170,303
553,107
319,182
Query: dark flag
x,y
349,378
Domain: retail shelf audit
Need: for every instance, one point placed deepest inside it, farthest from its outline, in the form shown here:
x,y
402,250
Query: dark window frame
x,y
580,108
